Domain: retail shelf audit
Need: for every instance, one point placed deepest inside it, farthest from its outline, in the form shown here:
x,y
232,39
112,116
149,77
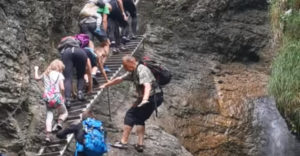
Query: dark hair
x,y
100,3
87,114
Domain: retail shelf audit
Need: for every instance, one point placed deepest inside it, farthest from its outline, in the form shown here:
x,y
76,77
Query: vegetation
x,y
284,83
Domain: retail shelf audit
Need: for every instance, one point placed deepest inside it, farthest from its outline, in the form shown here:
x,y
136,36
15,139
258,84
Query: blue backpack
x,y
94,139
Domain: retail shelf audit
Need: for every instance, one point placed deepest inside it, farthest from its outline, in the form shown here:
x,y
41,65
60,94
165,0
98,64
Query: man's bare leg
x,y
140,129
126,132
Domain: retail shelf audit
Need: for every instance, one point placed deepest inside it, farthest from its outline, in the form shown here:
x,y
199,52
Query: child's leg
x,y
49,119
63,113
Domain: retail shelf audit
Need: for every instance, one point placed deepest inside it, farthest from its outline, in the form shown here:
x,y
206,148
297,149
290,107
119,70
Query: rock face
x,y
189,36
236,29
28,32
206,103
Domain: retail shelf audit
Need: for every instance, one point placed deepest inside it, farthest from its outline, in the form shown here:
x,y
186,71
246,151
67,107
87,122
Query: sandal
x,y
139,148
120,145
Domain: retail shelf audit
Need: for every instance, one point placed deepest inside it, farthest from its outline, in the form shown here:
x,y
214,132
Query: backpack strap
x,y
54,82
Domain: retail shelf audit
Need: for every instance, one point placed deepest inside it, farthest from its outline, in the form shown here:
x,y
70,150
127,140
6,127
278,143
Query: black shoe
x,y
68,103
80,96
59,126
95,82
139,148
125,39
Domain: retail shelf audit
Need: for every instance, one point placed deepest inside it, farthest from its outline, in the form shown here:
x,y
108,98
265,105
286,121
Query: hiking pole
x,y
108,101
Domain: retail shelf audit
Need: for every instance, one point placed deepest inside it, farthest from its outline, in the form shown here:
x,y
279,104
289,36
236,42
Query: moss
x,y
284,82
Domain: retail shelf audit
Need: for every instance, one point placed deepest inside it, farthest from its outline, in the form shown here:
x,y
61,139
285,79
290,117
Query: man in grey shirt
x,y
149,97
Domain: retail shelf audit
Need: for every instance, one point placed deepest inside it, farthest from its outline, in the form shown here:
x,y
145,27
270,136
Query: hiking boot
x,y
80,96
139,148
120,145
68,103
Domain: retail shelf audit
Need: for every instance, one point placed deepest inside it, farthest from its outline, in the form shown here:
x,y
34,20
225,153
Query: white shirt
x,y
53,78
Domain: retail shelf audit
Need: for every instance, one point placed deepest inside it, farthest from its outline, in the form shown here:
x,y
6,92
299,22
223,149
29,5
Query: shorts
x,y
138,115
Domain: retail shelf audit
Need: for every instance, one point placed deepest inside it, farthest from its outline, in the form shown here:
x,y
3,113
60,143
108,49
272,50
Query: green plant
x,y
292,26
284,82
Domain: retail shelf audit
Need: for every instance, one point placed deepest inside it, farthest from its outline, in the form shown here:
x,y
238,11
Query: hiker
x,y
74,56
53,94
88,25
149,96
130,7
82,133
93,58
116,18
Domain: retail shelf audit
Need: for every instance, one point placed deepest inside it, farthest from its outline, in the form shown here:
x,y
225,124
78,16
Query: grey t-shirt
x,y
139,77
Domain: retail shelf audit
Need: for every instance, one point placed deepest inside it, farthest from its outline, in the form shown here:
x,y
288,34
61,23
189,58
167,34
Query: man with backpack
x,y
150,96
89,135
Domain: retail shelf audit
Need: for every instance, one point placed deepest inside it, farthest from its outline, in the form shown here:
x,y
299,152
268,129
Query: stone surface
x,y
28,32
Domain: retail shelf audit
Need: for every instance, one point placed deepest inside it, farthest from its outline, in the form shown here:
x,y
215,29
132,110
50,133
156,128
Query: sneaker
x,y
133,37
139,148
107,69
125,39
48,140
80,96
123,48
115,50
59,126
120,145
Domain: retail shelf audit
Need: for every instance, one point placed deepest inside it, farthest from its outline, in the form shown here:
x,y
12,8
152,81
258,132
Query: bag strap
x,y
54,82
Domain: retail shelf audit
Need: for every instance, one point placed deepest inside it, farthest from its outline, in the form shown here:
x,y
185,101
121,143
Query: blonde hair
x,y
55,65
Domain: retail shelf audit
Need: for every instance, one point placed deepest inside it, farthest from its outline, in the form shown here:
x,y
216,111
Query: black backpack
x,y
162,75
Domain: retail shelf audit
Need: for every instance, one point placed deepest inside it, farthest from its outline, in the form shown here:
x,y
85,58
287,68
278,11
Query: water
x,y
275,138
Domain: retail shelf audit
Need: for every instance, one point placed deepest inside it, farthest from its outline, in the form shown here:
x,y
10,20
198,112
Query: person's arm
x,y
112,82
89,74
100,64
147,89
104,22
146,95
62,88
120,2
71,129
36,73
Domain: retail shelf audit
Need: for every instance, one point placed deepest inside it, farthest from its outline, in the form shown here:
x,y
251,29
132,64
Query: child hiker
x,y
53,94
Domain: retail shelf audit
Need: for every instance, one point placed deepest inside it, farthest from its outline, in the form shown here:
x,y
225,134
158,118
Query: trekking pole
x,y
108,101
